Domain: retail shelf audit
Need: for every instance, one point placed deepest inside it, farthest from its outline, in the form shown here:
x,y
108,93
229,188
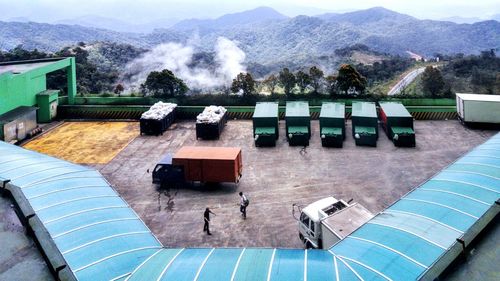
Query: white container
x,y
472,108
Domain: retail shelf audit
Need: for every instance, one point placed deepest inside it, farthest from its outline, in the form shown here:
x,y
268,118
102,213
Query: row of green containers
x,y
395,119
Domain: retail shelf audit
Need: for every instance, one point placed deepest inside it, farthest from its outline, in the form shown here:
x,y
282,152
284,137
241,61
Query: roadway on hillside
x,y
403,83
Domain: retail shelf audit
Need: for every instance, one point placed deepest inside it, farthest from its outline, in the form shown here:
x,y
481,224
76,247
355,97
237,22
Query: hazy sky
x,y
147,10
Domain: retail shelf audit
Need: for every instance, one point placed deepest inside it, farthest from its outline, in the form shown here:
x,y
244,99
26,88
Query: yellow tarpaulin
x,y
86,142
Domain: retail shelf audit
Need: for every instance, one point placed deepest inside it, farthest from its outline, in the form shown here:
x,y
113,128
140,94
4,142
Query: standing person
x,y
243,205
206,215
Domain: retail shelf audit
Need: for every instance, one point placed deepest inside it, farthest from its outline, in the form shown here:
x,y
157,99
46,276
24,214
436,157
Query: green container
x,y
364,123
403,136
397,123
265,136
47,102
332,124
298,136
332,137
266,123
365,136
298,123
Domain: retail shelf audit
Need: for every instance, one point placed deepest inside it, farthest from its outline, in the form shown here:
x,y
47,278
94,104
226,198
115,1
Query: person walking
x,y
206,216
243,205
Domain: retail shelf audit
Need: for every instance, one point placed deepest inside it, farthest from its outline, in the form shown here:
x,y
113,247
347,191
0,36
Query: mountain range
x,y
267,36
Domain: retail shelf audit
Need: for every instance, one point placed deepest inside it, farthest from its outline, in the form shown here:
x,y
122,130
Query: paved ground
x,y
19,257
86,142
275,178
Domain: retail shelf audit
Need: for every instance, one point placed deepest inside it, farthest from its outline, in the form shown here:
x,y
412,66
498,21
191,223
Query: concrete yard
x,y
276,178
273,179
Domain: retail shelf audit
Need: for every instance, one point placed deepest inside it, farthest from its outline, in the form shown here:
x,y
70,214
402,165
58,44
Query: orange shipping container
x,y
210,164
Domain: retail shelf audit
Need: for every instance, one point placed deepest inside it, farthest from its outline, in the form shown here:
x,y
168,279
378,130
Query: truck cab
x,y
327,221
166,173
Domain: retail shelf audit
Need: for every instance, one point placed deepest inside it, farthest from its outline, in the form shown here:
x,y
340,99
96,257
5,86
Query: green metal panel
x,y
365,135
45,101
332,110
19,88
364,114
266,110
394,114
331,131
364,109
264,131
266,115
297,109
402,130
394,109
297,115
332,116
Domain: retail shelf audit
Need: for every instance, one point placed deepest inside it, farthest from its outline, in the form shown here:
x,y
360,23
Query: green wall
x,y
21,89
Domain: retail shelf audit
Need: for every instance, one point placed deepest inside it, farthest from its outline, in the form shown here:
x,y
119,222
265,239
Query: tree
x,y
164,84
243,83
432,81
317,76
119,89
331,85
349,80
303,80
287,79
271,82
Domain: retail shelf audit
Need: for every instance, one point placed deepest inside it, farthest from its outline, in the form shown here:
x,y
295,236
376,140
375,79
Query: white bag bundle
x,y
159,110
211,114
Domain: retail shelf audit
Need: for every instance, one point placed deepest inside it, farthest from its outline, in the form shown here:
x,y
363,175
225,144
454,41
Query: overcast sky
x,y
148,10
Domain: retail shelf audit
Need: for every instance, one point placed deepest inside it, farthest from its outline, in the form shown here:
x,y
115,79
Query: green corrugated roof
x,y
364,130
298,129
331,131
297,108
265,131
394,109
332,110
266,109
364,109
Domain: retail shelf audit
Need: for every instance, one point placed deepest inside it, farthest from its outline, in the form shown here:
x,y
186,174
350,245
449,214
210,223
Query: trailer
x,y
211,122
298,123
157,119
265,121
332,124
364,123
475,109
327,221
397,123
200,164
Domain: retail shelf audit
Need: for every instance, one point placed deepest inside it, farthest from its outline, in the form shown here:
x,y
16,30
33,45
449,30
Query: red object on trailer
x,y
210,164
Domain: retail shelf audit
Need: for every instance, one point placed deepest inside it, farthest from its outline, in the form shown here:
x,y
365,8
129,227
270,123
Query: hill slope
x,y
268,37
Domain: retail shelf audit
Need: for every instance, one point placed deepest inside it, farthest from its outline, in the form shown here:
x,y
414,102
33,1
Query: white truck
x,y
327,221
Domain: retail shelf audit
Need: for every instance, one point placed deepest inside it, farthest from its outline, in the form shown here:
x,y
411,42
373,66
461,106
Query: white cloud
x,y
145,10
178,58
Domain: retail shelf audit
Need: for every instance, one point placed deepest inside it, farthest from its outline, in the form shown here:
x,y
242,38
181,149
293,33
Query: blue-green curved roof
x,y
101,238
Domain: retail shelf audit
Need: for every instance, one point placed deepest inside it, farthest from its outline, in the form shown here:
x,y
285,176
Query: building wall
x,y
21,89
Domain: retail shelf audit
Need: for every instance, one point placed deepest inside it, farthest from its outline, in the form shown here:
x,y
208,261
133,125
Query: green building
x,y
24,83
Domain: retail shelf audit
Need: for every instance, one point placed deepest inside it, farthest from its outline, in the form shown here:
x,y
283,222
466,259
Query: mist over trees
x,y
164,84
98,72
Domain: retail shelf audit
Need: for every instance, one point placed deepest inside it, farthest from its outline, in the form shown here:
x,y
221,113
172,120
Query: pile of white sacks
x,y
211,114
159,110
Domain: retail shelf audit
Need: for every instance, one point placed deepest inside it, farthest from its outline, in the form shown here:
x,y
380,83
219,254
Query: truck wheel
x,y
308,245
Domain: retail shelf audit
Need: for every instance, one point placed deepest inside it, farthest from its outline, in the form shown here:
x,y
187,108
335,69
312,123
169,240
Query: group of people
x,y
243,210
